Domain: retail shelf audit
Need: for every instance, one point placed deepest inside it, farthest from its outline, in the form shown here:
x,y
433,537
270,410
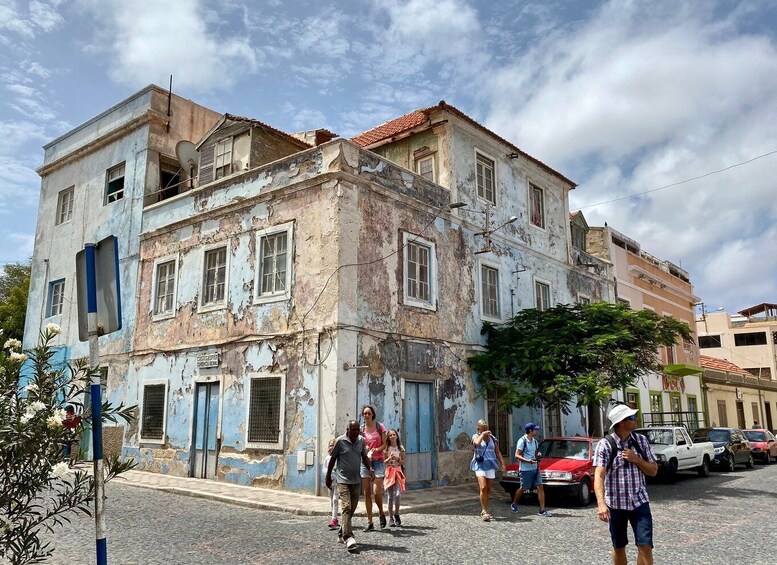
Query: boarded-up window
x,y
264,411
153,425
499,421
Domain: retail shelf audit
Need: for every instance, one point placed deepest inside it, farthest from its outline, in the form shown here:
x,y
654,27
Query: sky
x,y
622,97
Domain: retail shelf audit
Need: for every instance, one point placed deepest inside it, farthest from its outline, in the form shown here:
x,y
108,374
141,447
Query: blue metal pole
x,y
97,425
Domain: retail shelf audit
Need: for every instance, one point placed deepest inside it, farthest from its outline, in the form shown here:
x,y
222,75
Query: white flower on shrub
x,y
32,387
13,344
55,420
26,417
36,406
59,469
53,329
17,357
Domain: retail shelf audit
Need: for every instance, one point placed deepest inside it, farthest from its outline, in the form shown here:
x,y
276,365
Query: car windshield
x,y
565,449
711,435
658,436
755,436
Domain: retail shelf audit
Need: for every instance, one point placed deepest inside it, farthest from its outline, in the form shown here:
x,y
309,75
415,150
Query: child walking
x,y
334,523
395,477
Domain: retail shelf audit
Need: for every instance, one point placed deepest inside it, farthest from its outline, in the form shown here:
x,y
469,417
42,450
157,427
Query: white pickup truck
x,y
675,451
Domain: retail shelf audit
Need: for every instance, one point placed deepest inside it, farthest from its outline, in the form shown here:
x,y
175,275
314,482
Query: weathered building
x,y
646,282
747,341
94,182
296,278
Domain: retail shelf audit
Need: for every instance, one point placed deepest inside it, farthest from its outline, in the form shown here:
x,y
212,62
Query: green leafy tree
x,y
14,289
38,489
573,354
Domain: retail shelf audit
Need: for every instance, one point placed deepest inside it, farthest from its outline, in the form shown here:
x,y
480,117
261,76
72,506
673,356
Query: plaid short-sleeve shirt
x,y
624,484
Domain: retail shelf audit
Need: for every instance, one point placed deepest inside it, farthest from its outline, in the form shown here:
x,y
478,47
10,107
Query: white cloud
x,y
146,41
40,16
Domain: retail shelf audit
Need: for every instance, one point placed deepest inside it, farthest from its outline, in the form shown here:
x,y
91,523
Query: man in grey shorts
x,y
348,452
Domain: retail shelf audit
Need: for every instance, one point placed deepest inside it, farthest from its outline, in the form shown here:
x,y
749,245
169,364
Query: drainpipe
x,y
319,394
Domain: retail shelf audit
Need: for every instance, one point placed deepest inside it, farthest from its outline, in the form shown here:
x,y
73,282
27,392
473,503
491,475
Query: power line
x,y
680,182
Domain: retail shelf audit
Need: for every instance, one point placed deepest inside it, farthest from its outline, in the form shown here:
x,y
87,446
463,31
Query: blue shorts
x,y
378,466
531,479
641,521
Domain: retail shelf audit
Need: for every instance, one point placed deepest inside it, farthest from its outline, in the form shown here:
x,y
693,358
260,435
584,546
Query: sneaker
x,y
333,524
350,545
369,528
514,508
545,513
391,522
382,518
397,521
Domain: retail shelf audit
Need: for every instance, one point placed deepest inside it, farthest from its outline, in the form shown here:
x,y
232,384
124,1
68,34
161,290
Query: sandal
x,y
485,515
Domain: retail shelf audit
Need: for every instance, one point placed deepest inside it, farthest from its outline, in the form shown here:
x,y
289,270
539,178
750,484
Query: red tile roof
x,y
419,117
393,127
721,365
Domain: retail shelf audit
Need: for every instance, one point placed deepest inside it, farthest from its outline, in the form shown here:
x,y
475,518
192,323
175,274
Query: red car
x,y
566,467
763,444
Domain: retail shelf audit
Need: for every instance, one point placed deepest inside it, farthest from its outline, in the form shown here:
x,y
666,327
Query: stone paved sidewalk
x,y
294,503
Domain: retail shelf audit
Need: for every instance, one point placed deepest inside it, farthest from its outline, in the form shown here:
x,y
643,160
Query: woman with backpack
x,y
374,434
486,459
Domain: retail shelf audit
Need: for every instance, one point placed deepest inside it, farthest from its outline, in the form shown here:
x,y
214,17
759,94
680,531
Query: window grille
x,y
265,410
153,411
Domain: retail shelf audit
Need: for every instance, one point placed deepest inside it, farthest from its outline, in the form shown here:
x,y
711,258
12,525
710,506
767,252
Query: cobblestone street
x,y
723,519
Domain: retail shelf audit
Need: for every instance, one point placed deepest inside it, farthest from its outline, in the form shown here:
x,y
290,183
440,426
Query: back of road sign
x,y
108,288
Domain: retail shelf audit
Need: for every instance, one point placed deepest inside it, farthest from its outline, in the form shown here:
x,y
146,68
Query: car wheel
x,y
750,462
584,494
704,470
768,457
731,465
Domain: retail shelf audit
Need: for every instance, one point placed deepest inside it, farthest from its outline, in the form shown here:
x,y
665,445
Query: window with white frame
x,y
420,272
582,299
275,252
223,158
65,202
541,295
154,411
56,297
485,178
489,291
114,184
537,206
214,280
266,409
425,167
164,288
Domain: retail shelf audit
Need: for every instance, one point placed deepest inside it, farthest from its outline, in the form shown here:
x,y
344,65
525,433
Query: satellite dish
x,y
188,157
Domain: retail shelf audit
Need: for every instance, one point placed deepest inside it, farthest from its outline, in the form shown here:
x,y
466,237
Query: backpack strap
x,y
613,451
632,441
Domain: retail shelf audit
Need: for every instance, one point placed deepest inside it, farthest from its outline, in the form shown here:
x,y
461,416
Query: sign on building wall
x,y
207,360
673,383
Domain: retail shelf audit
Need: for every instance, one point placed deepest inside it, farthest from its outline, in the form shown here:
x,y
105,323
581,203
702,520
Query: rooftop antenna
x,y
169,100
188,157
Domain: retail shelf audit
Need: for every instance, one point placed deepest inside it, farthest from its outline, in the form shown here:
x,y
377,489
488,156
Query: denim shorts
x,y
641,521
378,466
530,479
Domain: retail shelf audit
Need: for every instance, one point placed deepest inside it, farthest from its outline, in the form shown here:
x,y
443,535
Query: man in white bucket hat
x,y
622,460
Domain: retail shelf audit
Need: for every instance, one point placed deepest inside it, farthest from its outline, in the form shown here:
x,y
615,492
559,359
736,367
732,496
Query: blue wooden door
x,y
419,431
206,414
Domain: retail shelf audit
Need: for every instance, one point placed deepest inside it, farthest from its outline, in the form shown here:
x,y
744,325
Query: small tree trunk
x,y
595,426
